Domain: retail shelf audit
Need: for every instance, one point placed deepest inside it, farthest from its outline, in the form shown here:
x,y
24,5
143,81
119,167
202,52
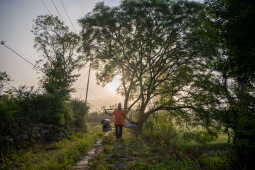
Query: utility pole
x,y
87,85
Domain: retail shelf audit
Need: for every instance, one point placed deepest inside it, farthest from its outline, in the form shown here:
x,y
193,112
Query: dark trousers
x,y
118,131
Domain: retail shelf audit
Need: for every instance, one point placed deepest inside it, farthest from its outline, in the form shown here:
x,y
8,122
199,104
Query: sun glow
x,y
114,84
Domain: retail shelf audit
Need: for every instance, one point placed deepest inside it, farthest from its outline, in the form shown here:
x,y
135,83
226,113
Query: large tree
x,y
145,42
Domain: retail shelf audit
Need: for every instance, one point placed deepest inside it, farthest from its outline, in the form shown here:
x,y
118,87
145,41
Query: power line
x,y
66,13
45,6
19,55
57,10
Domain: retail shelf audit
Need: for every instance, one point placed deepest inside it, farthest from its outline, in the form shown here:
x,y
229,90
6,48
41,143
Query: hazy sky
x,y
16,19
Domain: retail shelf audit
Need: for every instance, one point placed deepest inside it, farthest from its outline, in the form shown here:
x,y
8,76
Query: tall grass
x,y
187,149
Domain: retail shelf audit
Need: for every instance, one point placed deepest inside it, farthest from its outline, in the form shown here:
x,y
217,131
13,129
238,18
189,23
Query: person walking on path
x,y
119,116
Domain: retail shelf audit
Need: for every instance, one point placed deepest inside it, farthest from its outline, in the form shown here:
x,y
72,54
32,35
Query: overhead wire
x,y
45,6
61,16
19,55
67,15
57,9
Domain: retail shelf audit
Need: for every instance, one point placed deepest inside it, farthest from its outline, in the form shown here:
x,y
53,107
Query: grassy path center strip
x,y
84,162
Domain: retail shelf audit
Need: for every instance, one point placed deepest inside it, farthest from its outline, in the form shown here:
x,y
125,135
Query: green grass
x,y
58,155
131,152
222,138
141,153
136,153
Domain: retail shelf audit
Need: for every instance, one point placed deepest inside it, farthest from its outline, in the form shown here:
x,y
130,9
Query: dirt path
x,y
84,162
117,154
109,153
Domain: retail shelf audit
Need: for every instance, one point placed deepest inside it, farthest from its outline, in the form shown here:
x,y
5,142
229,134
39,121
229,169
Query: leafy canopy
x,y
146,43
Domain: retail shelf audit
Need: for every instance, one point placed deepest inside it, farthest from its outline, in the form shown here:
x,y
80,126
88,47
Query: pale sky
x,y
16,19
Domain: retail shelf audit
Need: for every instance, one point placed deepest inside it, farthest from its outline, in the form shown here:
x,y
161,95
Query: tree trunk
x,y
125,102
229,137
143,118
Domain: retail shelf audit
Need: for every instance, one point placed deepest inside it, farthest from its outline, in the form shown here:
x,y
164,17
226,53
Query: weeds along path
x,y
139,153
109,153
84,162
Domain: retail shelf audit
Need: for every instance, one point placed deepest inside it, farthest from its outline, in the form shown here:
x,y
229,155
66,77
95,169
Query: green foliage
x,y
140,152
80,110
200,136
215,161
36,107
160,130
8,113
57,155
28,116
59,58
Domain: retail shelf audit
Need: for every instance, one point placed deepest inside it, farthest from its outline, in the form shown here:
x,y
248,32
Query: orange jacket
x,y
119,116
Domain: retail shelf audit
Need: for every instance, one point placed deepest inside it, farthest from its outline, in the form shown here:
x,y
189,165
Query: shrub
x,y
79,110
29,116
200,136
8,120
160,129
